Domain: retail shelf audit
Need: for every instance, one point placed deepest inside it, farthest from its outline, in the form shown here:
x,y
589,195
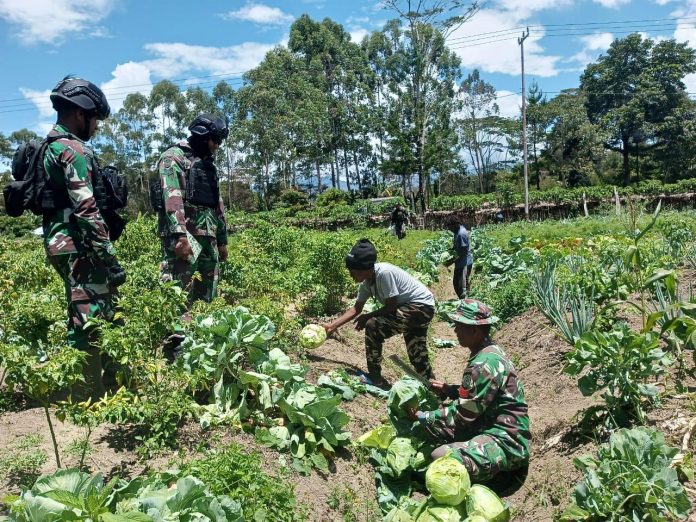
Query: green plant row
x,y
559,196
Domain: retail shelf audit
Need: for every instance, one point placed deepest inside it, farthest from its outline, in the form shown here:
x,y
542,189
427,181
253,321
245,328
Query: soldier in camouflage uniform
x,y
485,424
76,237
191,203
408,307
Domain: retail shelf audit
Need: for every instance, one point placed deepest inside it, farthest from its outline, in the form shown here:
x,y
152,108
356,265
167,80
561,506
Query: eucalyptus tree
x,y
480,127
427,64
169,104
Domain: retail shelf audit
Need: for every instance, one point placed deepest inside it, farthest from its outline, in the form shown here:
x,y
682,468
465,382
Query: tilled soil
x,y
347,492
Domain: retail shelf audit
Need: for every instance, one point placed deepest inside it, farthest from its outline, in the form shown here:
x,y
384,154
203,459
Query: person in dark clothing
x,y
399,218
463,262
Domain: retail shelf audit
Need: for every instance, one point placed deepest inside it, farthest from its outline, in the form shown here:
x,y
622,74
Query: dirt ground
x,y
348,491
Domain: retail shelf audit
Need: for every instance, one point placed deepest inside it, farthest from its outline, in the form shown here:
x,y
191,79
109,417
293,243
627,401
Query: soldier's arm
x,y
171,174
95,235
221,232
473,400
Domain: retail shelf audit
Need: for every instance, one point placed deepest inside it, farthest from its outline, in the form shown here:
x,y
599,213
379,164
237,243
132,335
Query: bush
x,y
233,472
332,197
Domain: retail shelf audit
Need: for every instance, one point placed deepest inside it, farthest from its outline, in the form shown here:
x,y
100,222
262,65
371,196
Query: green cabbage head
x,y
436,513
448,481
483,501
312,336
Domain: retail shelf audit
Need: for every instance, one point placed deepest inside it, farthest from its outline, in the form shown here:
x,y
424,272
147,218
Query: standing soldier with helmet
x,y
191,211
76,237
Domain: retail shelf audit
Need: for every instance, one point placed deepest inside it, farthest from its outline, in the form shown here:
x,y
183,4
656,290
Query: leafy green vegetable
x,y
447,480
484,502
400,454
380,437
630,479
437,513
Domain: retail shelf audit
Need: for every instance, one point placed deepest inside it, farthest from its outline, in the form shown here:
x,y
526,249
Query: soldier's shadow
x,y
507,484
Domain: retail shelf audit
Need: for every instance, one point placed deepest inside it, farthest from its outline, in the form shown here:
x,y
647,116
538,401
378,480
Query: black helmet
x,y
209,125
82,93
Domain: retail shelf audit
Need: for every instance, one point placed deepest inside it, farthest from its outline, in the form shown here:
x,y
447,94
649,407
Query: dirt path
x,y
348,491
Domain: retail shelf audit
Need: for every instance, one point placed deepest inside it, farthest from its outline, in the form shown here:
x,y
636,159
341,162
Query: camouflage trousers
x,y
88,296
87,293
207,265
483,457
412,321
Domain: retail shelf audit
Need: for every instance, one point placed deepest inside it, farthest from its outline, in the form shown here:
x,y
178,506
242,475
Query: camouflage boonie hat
x,y
472,311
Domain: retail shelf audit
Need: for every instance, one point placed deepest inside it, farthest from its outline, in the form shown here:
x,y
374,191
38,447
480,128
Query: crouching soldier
x,y
408,307
484,421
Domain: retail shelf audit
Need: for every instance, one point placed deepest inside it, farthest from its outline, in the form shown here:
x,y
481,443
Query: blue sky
x,y
128,45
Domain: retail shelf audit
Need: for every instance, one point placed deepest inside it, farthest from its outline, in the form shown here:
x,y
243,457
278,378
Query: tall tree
x,y
428,23
574,143
481,132
538,119
632,89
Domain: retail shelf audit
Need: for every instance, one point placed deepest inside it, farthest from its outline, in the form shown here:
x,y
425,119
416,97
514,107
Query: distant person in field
x,y
463,261
408,307
187,197
484,421
399,218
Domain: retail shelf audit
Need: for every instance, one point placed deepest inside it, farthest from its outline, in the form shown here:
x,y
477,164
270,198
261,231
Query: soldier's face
x,y
469,335
213,146
88,124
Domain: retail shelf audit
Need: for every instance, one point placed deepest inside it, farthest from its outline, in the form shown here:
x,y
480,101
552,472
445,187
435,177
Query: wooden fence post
x,y
617,201
584,204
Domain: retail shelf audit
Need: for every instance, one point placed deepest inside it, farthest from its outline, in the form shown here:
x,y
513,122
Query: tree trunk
x,y
316,164
626,165
333,174
345,165
357,171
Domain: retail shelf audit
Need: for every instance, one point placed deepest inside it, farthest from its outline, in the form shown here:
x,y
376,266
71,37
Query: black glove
x,y
115,275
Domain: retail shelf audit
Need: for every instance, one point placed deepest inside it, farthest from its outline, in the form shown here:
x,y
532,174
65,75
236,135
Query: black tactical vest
x,y
202,183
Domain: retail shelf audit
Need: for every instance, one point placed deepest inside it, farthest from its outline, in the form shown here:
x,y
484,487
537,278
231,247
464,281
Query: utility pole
x,y
520,42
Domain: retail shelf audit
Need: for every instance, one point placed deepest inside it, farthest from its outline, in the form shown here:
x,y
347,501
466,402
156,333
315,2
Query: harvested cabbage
x,y
435,513
448,481
481,500
399,454
312,336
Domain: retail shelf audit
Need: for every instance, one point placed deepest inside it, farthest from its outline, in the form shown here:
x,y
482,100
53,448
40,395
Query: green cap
x,y
472,311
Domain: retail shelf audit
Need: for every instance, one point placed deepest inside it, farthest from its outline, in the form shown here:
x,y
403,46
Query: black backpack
x,y
110,187
30,188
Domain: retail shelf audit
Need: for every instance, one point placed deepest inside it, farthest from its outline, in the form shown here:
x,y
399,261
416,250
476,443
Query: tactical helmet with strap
x,y
209,125
83,94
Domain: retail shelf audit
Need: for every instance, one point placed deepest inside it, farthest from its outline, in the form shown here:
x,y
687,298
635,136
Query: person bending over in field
x,y
484,422
408,307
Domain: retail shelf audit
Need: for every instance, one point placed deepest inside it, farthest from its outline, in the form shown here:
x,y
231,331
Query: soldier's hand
x,y
183,249
222,253
438,387
115,275
361,322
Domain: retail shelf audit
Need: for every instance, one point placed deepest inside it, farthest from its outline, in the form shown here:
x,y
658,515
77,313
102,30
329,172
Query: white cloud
x,y
357,34
612,4
501,54
662,2
52,21
41,100
509,103
173,59
593,45
127,78
524,8
260,14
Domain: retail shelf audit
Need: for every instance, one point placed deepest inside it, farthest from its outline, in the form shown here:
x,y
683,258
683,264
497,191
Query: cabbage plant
x,y
448,481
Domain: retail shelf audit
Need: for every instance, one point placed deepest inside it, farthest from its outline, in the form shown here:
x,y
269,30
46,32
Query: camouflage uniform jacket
x,y
178,216
68,163
489,401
